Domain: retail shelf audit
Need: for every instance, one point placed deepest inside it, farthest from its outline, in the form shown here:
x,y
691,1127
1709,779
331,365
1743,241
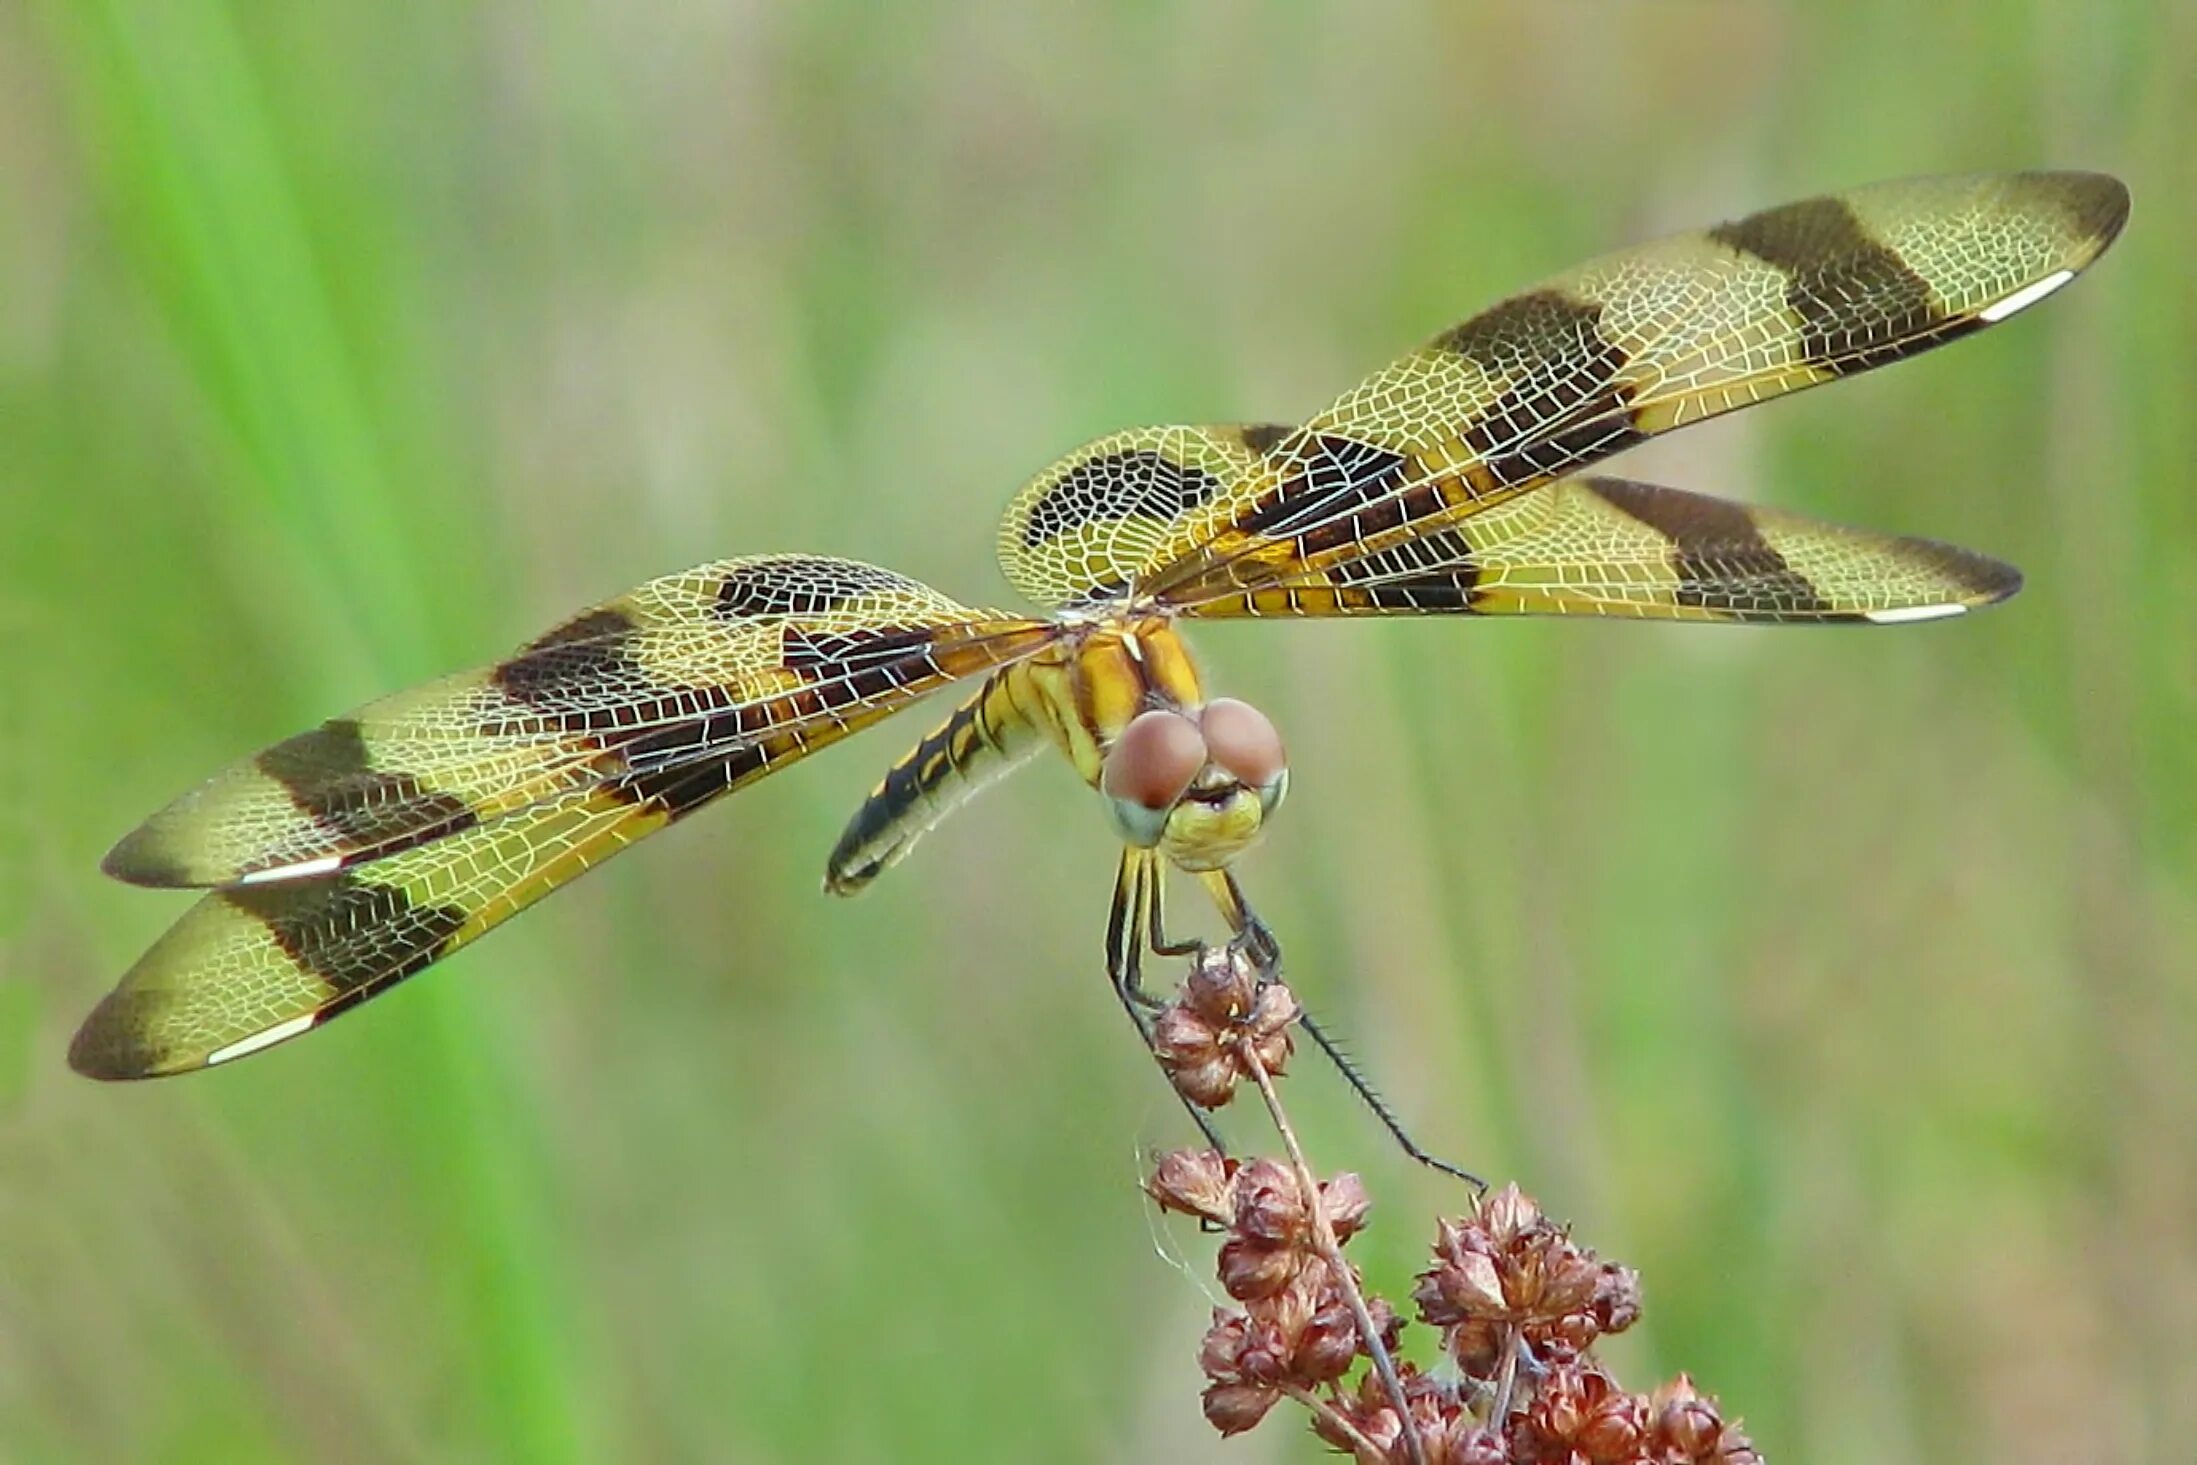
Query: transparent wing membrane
x,y
732,658
358,853
1613,547
1583,365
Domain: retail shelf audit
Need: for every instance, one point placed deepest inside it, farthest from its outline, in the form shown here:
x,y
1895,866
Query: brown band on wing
x,y
1330,480
681,788
1566,405
316,924
852,678
633,714
1858,302
2093,204
328,775
605,622
590,651
1432,572
1714,543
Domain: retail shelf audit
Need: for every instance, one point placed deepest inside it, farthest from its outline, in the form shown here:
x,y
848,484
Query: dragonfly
x,y
340,861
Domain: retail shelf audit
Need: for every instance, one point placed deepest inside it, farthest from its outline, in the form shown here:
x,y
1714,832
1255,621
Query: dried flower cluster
x,y
1200,1039
1296,1332
1518,1303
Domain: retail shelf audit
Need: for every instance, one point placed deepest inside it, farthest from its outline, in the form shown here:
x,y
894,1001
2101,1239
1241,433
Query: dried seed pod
x,y
1250,1270
1270,1206
1194,1183
1347,1204
1614,1430
1222,988
1234,1408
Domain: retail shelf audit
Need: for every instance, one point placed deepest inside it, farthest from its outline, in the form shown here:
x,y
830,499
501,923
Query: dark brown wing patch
x,y
615,699
1718,550
1858,302
1565,401
330,777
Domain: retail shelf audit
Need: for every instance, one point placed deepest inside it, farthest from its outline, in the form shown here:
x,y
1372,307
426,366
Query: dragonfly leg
x,y
1259,944
1161,946
1252,935
1128,931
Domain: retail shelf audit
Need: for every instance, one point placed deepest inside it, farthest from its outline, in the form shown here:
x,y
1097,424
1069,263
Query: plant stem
x,y
1331,1252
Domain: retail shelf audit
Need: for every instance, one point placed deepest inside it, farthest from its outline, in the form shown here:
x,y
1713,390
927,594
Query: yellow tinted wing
x,y
250,966
1613,547
1584,365
1088,526
739,664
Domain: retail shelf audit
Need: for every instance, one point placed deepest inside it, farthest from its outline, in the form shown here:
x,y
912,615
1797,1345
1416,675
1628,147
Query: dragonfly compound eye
x,y
1242,740
1147,770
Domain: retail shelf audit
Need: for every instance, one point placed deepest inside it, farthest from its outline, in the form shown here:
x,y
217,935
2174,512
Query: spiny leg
x,y
1265,952
1129,928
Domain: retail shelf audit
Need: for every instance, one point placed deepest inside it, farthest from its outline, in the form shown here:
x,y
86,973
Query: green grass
x,y
1841,983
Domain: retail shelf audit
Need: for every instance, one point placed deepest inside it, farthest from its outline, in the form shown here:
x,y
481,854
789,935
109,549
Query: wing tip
x,y
1983,580
2097,203
145,856
2004,582
1979,581
107,1047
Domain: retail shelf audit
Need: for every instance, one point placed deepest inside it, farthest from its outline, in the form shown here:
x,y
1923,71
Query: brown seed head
x,y
1209,1085
1268,1028
1269,1348
1516,1297
1194,1183
1191,1054
1270,1206
1616,1298
1468,1443
1328,1346
1507,1264
1234,1408
1250,1270
1614,1430
1222,986
1470,1287
1223,1340
1569,1395
1477,1346
1347,1204
1684,1421
1181,1038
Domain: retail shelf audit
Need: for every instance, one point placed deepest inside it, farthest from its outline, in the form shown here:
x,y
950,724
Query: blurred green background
x,y
1840,982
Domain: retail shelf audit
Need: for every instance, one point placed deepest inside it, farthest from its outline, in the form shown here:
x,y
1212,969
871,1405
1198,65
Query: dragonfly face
x,y
1197,784
1189,778
342,860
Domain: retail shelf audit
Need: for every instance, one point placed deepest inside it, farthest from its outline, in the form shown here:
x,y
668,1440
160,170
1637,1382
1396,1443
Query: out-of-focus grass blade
x,y
188,158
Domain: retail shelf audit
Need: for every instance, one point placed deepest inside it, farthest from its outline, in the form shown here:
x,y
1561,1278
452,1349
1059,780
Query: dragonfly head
x,y
1199,786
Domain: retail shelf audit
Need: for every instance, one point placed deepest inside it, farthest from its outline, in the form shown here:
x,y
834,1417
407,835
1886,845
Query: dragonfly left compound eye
x,y
1148,770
